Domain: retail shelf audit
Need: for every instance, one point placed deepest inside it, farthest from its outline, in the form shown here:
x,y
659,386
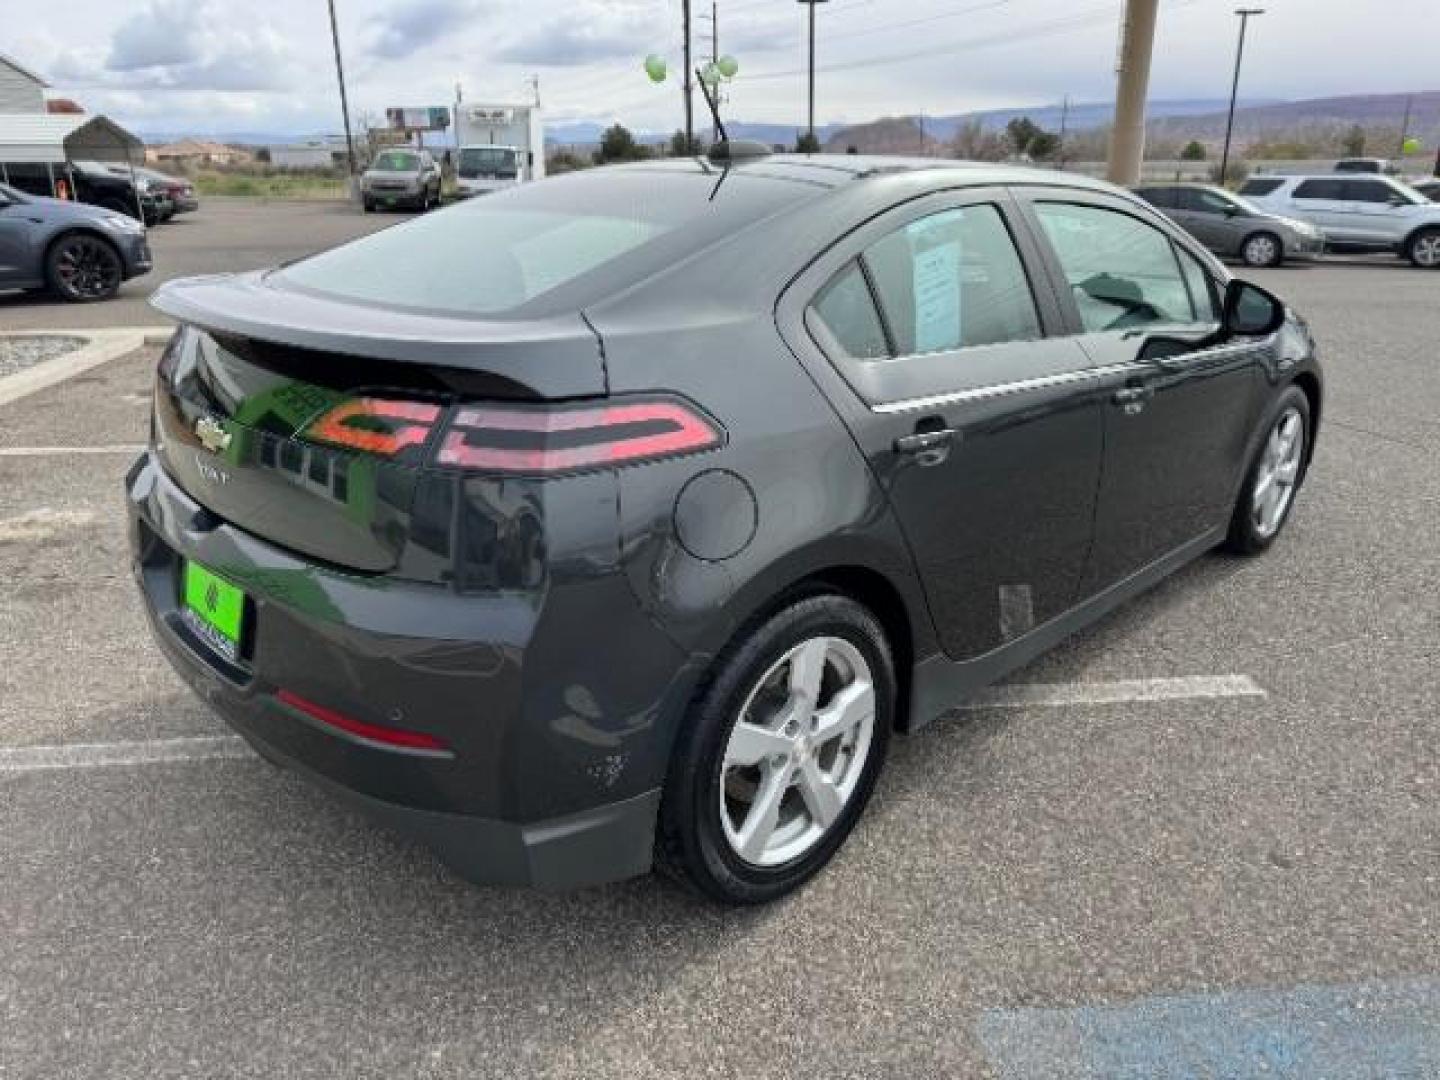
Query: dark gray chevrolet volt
x,y
619,519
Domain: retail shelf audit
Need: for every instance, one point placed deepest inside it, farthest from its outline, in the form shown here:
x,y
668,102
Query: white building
x,y
21,90
315,154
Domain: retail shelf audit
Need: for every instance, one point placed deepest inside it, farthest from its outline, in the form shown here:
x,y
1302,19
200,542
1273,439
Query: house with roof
x,y
21,90
196,152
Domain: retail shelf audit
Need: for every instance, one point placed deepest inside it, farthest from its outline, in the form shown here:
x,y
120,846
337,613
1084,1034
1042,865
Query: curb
x,y
102,347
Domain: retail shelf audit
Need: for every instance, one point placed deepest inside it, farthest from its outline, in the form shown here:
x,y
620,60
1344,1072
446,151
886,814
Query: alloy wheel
x,y
796,755
1426,250
87,268
1279,472
1261,251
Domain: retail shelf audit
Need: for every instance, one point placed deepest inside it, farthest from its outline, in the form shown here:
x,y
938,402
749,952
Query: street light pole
x,y
810,127
344,103
1245,14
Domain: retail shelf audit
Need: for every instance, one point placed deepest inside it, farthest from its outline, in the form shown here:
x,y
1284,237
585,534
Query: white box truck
x,y
498,146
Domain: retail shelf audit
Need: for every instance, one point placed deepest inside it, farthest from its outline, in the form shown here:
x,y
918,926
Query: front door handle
x,y
1133,399
929,445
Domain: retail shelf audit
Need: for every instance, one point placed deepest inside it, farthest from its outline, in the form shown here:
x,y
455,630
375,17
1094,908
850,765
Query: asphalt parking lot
x,y
1201,839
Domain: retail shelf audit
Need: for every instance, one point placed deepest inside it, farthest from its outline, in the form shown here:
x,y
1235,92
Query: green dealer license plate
x,y
214,609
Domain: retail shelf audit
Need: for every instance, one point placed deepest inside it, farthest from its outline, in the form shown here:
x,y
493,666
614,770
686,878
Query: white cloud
x,y
405,29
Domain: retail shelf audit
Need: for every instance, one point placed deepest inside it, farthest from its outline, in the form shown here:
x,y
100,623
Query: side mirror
x,y
1250,311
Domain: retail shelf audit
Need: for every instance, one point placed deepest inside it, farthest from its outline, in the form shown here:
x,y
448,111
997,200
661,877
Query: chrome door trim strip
x,y
985,393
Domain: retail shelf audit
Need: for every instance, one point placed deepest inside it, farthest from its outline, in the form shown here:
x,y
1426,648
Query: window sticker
x,y
935,243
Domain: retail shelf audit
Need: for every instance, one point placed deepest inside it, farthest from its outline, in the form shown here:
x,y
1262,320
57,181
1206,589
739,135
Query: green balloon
x,y
1413,146
655,67
729,66
710,75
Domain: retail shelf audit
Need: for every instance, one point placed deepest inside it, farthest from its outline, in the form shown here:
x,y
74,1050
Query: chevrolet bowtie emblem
x,y
212,434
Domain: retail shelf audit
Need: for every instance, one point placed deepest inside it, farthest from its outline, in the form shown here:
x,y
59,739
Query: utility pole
x,y
1064,128
1137,45
810,127
714,19
1405,126
689,70
344,104
1245,14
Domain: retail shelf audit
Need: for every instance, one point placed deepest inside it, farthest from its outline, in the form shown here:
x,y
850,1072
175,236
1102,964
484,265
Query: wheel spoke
x,y
807,669
849,708
1287,472
821,796
764,814
751,744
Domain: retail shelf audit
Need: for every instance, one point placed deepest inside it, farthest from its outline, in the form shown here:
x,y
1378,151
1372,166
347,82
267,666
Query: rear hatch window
x,y
550,246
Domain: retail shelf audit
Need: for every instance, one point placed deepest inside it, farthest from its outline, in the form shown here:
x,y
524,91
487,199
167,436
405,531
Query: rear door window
x,y
1122,271
953,280
1163,197
1262,185
1333,190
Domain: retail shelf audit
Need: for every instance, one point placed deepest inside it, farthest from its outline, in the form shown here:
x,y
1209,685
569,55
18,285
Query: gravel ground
x,y
19,353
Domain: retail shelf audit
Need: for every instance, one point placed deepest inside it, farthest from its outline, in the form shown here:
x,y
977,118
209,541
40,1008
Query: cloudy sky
x,y
212,67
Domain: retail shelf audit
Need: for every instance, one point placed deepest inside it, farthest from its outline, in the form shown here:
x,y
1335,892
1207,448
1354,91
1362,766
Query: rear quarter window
x,y
1262,186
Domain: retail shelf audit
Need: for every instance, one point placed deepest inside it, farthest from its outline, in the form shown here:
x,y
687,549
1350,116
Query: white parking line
x,y
1120,692
46,451
21,759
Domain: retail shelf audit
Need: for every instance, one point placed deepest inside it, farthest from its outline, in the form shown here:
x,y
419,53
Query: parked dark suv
x,y
620,518
95,184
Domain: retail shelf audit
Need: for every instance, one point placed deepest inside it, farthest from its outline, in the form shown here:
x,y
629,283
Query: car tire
x,y
1423,249
1262,249
821,664
82,268
1268,495
368,205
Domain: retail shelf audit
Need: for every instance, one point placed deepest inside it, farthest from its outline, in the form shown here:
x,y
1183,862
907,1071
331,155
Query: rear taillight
x,y
566,439
375,425
400,738
529,440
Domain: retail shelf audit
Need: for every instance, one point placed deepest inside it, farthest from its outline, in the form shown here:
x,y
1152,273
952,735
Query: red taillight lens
x,y
570,438
375,425
389,736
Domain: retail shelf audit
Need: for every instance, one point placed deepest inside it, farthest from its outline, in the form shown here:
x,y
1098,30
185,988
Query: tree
x,y
1354,142
973,143
617,144
807,143
1021,132
1194,151
680,148
563,161
1044,145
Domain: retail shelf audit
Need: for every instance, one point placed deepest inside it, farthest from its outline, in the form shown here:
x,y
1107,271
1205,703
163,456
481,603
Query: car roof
x,y
838,170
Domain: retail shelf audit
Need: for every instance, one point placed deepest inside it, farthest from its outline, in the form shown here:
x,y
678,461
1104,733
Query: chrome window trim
x,y
984,393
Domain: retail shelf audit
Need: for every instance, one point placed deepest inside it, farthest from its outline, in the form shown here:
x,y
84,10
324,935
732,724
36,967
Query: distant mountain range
x,y
1198,118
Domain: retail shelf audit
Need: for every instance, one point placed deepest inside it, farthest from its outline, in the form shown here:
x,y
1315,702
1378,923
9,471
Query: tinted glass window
x,y
1208,202
1369,191
953,280
1203,293
1163,197
1262,185
847,312
397,161
1122,272
596,230
488,161
1320,189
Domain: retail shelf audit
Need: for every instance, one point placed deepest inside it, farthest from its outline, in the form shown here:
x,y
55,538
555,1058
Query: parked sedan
x,y
80,252
1231,225
621,519
180,192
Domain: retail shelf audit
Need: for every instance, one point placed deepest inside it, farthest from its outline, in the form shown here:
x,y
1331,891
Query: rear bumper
x,y
520,795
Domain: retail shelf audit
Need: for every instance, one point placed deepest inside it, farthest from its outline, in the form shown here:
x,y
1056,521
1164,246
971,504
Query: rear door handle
x,y
1134,398
930,447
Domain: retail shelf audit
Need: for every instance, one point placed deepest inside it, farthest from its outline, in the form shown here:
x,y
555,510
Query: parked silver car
x,y
1231,225
1357,213
401,177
